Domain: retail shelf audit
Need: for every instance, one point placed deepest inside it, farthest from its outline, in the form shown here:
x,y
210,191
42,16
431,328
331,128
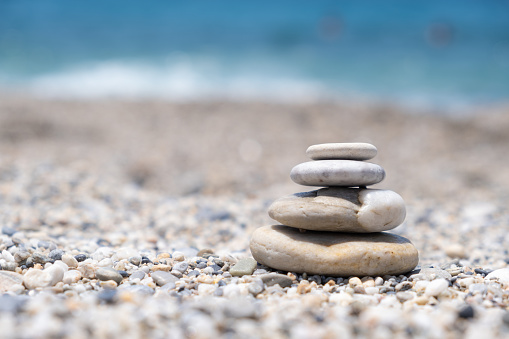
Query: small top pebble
x,y
342,151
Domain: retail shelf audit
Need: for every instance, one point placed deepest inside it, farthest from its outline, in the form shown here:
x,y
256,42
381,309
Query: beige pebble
x,y
165,268
346,151
70,261
335,254
456,251
340,209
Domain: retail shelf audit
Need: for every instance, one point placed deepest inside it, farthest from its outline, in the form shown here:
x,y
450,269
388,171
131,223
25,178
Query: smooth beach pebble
x,y
344,151
339,209
336,254
337,173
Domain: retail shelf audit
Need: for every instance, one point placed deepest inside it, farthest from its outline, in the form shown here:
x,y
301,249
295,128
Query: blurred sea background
x,y
442,56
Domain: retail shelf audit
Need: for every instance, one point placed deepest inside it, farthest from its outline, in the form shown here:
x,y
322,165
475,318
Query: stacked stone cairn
x,y
337,230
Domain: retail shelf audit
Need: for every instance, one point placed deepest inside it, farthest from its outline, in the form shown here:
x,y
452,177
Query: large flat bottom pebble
x,y
335,254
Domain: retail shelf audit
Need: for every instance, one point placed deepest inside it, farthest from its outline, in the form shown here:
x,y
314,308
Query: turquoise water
x,y
432,53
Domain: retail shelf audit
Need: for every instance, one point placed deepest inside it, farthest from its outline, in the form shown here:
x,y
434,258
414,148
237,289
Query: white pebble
x,y
34,278
436,287
206,289
72,276
371,290
7,256
69,260
106,262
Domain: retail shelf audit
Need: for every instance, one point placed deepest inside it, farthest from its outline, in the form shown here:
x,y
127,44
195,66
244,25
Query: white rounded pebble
x,y
124,253
35,278
344,151
371,290
8,256
501,275
62,265
337,173
70,261
436,287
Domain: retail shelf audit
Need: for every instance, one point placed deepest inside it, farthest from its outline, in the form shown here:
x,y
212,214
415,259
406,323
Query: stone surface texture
x,y
288,249
345,151
340,209
337,173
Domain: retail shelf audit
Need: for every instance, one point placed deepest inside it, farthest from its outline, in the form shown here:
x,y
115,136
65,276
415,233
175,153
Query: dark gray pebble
x,y
108,296
56,254
80,257
215,267
466,312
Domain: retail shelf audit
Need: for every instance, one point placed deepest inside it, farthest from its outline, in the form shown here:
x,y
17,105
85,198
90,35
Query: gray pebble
x,y
260,271
201,265
181,267
431,273
193,273
168,287
106,273
56,254
276,278
8,230
478,288
135,261
108,296
12,304
161,278
176,273
9,266
21,255
137,275
255,287
244,266
39,258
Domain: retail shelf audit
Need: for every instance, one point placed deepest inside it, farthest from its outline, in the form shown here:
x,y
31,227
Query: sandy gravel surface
x,y
146,187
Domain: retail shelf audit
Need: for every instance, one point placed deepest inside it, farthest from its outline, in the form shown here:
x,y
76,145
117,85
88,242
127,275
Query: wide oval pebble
x,y
333,254
340,209
337,173
342,151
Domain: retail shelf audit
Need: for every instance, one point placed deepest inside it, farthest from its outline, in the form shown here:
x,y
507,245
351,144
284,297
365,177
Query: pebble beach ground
x,y
125,219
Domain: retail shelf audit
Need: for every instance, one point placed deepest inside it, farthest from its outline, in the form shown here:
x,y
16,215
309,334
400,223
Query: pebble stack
x,y
337,230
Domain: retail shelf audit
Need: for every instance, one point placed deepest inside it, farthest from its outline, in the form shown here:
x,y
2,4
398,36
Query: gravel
x,y
73,219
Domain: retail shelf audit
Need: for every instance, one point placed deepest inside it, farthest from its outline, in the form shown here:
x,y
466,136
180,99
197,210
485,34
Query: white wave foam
x,y
180,80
